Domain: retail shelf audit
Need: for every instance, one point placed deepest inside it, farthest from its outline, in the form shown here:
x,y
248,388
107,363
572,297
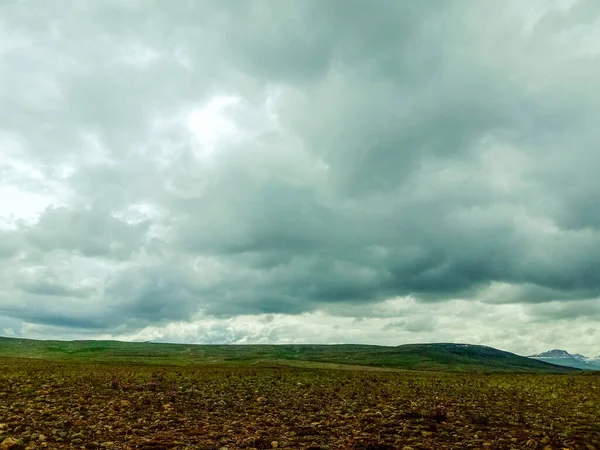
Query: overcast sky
x,y
308,171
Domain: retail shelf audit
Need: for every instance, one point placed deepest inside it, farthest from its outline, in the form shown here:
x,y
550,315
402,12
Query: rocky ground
x,y
77,406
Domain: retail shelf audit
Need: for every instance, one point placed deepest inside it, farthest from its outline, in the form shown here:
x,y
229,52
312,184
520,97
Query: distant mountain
x,y
579,357
564,358
431,357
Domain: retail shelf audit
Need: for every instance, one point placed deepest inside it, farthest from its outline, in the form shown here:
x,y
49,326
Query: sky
x,y
308,171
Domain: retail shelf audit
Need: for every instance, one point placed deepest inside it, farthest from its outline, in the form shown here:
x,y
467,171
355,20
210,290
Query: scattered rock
x,y
12,444
264,409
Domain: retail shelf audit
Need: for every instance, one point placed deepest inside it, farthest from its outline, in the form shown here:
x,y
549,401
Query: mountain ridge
x,y
563,358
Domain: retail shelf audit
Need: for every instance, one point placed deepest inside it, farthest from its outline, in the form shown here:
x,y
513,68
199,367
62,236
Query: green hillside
x,y
431,357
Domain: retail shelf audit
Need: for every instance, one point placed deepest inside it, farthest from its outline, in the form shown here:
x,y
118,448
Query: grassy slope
x,y
442,357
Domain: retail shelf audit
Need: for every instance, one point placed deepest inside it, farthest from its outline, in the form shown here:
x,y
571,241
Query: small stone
x,y
11,444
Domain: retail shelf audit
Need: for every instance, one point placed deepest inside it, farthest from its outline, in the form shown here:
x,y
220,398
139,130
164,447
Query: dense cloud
x,y
231,170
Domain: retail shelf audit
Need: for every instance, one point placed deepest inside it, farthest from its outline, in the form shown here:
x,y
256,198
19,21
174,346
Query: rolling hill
x,y
430,357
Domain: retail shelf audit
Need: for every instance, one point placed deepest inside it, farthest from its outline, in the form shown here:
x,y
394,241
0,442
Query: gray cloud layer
x,y
165,163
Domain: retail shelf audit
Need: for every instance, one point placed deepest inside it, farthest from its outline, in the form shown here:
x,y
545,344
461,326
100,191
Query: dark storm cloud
x,y
428,149
61,320
52,288
300,42
572,311
93,233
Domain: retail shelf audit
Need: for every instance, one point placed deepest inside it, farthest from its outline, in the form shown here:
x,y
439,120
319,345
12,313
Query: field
x,y
58,404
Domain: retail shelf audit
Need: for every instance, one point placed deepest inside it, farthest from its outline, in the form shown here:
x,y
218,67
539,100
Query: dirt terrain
x,y
86,406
